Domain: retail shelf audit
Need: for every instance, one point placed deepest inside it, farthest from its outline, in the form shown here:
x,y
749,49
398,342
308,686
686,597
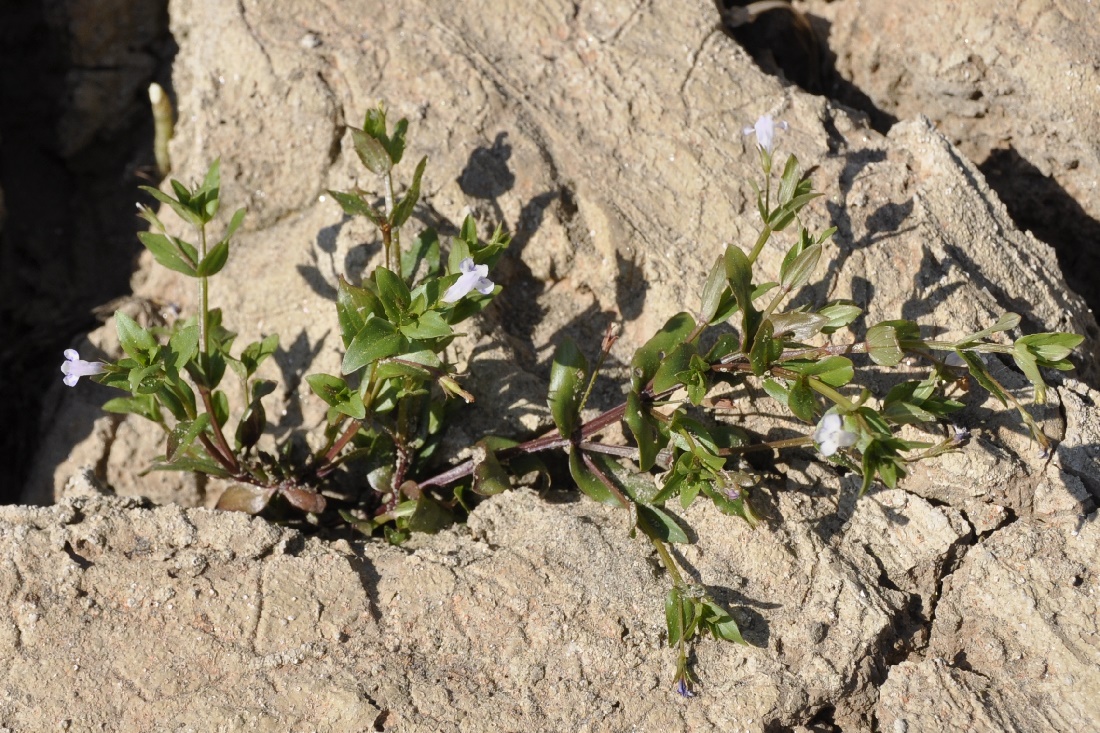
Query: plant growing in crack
x,y
389,405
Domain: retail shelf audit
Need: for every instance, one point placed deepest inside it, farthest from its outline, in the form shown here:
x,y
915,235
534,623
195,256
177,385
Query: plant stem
x,y
204,299
219,436
392,240
666,560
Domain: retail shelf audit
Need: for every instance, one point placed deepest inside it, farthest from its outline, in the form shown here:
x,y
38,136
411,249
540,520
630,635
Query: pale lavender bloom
x,y
831,436
765,132
472,278
74,367
682,688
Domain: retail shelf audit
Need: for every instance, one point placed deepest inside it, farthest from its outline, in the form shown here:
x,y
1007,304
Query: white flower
x,y
74,367
765,132
831,436
472,278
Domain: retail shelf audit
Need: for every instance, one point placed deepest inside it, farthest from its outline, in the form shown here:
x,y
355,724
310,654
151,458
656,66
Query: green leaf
x,y
489,477
801,401
713,291
1006,322
764,349
215,260
221,407
304,499
354,305
376,340
661,525
883,346
645,429
373,154
430,516
799,325
587,481
673,365
739,272
647,360
393,293
801,269
777,390
166,253
244,498
184,344
184,434
136,341
403,209
567,375
182,210
788,180
257,352
430,325
836,371
1050,348
674,616
354,205
206,199
839,315
424,248
979,372
396,144
333,390
720,623
144,405
738,507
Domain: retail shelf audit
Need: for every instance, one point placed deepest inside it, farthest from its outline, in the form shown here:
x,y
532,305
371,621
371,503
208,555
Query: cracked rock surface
x,y
607,138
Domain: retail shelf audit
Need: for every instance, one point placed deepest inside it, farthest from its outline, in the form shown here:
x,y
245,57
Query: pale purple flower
x,y
831,436
682,688
74,367
472,278
765,132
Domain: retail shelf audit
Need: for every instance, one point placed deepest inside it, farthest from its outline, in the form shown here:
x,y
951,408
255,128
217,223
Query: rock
x,y
1015,642
1028,119
622,172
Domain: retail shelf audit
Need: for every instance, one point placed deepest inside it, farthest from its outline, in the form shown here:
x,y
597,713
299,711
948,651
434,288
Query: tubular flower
x,y
831,436
74,367
472,278
765,132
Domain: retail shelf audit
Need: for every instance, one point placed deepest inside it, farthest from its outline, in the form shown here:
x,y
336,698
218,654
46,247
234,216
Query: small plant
x,y
389,405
